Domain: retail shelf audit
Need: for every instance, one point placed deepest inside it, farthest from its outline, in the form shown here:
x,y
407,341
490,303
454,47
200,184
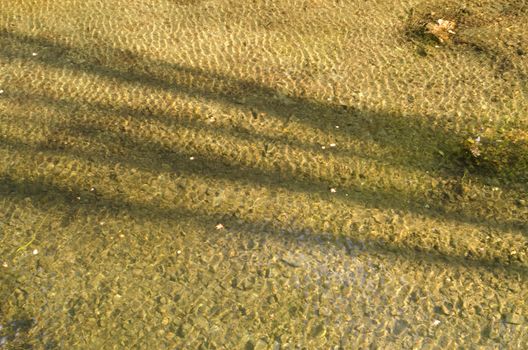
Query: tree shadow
x,y
121,147
412,141
420,136
415,137
46,196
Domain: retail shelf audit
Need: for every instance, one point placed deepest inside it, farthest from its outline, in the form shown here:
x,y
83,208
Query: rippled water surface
x,y
290,174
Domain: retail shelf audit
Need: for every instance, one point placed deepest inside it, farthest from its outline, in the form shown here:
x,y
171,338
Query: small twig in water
x,y
34,236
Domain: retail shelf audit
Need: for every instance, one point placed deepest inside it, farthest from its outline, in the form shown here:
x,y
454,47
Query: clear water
x,y
265,175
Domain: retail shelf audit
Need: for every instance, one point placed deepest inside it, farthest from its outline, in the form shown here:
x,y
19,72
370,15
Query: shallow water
x,y
265,175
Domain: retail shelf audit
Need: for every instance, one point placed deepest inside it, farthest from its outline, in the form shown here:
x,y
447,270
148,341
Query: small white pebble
x,y
34,54
78,198
333,190
1,91
219,226
102,223
92,189
337,126
178,252
333,145
495,189
346,194
436,322
323,147
4,264
35,251
191,158
121,235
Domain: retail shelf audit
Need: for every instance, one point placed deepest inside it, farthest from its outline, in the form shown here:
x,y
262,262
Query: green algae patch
x,y
499,153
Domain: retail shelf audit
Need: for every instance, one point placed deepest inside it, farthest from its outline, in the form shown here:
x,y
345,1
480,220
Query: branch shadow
x,y
150,155
421,142
46,196
387,129
384,129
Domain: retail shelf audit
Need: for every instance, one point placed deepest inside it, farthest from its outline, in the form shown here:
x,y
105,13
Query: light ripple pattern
x,y
286,174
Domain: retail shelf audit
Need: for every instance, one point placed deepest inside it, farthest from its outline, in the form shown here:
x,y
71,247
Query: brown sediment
x,y
186,174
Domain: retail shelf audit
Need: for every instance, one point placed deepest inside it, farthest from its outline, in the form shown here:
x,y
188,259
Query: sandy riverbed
x,y
260,175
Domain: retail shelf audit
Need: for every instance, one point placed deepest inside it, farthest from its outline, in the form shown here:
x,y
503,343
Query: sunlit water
x,y
259,175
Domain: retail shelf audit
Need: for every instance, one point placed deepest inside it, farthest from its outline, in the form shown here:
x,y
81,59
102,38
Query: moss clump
x,y
502,153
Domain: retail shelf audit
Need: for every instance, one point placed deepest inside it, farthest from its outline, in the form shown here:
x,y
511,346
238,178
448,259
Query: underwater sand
x,y
259,175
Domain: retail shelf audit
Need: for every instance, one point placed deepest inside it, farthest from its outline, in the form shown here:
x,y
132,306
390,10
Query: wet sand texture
x,y
293,174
